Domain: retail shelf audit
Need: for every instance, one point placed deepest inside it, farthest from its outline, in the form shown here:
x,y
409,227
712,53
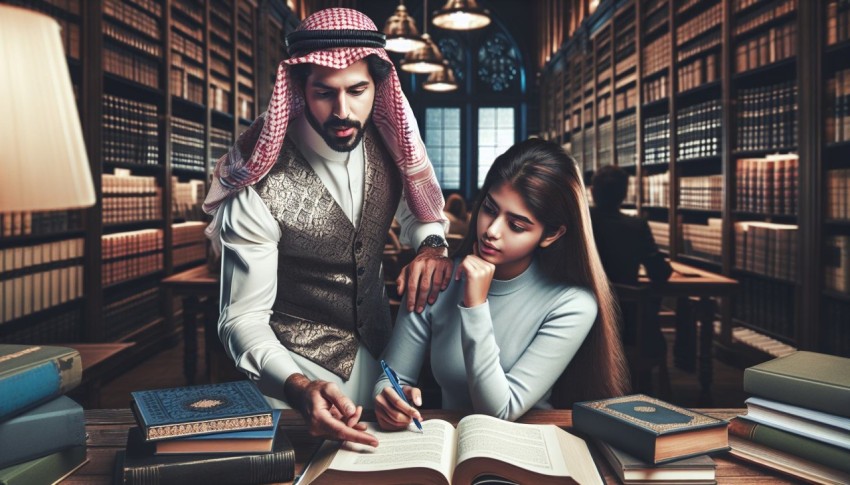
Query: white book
x,y
817,425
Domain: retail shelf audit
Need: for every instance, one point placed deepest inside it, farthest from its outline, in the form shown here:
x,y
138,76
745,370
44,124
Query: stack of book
x,y
799,420
42,432
646,440
216,433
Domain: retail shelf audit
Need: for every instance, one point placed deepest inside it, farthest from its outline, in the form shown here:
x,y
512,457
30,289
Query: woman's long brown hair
x,y
551,185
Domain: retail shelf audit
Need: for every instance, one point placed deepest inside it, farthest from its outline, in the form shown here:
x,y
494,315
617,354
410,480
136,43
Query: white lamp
x,y
43,161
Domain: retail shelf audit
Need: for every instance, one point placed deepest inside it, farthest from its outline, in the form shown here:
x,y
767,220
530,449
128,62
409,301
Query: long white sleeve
x,y
249,237
413,231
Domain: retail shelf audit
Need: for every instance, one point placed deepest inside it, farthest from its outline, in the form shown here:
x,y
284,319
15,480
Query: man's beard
x,y
327,131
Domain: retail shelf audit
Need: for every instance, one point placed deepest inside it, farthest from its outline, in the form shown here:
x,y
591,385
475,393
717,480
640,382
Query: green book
x,y
650,429
47,469
32,374
794,444
806,379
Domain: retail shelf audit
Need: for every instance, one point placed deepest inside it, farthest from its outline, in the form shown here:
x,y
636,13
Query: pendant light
x,y
461,15
402,34
441,81
427,59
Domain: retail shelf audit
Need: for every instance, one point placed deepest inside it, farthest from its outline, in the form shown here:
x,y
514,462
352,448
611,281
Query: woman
x,y
529,299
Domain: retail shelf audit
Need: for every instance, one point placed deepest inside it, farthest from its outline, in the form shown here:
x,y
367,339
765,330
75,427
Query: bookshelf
x,y
738,155
163,87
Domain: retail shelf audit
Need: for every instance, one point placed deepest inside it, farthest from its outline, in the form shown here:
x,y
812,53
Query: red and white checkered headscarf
x,y
257,149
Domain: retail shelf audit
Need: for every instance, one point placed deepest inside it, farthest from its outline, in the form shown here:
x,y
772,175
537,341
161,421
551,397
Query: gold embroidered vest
x,y
330,287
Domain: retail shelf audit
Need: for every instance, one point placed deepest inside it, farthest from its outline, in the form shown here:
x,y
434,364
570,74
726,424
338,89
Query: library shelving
x,y
163,89
732,119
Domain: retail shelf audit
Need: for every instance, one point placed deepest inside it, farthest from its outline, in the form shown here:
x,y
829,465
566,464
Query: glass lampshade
x,y
441,81
461,15
402,34
424,60
44,162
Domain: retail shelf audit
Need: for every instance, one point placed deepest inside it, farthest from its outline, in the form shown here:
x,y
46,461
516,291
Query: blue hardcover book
x,y
32,374
205,409
249,441
51,427
650,429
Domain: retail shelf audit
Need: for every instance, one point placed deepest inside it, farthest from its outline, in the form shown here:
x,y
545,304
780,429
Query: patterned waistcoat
x,y
330,287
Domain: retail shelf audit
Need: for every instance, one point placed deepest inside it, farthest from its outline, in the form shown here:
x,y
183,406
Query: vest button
x,y
358,246
360,271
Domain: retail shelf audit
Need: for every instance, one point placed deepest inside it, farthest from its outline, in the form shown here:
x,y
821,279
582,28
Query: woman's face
x,y
508,232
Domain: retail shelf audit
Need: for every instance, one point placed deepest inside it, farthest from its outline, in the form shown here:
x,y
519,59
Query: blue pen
x,y
393,377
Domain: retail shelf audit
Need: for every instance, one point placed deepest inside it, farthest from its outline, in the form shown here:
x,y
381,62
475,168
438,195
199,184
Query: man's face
x,y
339,103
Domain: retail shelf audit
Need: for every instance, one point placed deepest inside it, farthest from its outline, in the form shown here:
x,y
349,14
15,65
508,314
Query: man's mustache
x,y
338,123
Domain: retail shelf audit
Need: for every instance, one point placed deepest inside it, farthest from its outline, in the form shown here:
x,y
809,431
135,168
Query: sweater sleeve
x,y
405,352
249,266
508,395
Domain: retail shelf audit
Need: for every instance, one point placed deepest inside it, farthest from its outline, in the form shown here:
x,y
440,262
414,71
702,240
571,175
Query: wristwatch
x,y
434,241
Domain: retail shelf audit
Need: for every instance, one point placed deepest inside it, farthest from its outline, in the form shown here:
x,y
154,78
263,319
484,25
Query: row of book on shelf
x,y
837,125
767,248
767,185
41,276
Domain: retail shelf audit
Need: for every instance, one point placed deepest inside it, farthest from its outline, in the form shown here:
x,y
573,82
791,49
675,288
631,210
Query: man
x,y
307,195
625,243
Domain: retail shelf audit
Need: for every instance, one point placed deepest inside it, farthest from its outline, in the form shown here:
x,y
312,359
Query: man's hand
x,y
329,412
425,277
392,412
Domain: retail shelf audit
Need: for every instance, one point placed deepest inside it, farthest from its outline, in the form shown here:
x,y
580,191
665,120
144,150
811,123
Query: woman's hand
x,y
478,274
392,412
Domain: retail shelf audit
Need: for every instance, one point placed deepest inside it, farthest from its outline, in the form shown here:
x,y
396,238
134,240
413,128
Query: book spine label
x,y
799,392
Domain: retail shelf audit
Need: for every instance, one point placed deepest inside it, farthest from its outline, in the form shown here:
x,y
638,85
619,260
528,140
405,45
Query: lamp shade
x,y
424,60
461,15
44,161
402,34
441,81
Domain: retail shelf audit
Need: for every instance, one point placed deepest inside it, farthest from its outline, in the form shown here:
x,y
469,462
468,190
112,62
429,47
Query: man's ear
x,y
548,240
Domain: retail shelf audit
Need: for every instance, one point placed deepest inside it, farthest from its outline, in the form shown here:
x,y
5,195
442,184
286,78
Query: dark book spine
x,y
631,439
239,469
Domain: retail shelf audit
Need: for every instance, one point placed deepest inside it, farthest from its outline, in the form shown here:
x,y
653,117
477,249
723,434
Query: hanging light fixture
x,y
441,81
426,59
461,15
402,34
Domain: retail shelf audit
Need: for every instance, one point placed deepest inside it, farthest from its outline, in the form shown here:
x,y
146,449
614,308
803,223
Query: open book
x,y
481,445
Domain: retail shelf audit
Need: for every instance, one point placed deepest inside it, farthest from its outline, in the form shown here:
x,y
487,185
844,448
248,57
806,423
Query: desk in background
x,y
199,289
689,282
107,430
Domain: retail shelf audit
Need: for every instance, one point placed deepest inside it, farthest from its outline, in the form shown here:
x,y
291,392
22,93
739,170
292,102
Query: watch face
x,y
434,241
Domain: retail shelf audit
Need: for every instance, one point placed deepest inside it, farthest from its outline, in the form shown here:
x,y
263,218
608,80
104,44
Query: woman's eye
x,y
357,92
517,228
489,210
323,94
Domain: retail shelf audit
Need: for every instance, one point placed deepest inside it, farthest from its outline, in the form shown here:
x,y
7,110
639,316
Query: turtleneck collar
x,y
311,144
503,287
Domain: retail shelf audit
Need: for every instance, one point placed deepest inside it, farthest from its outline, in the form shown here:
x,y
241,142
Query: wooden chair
x,y
641,362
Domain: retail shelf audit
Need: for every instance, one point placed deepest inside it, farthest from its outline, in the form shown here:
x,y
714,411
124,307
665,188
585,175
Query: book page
x,y
434,448
530,446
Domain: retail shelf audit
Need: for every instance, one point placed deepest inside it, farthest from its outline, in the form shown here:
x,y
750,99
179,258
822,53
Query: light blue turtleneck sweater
x,y
502,357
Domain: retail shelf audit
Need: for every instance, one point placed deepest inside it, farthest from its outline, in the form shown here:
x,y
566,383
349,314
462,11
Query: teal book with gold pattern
x,y
197,410
651,429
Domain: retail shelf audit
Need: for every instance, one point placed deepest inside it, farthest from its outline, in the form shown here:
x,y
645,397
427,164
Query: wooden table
x,y
199,288
685,283
101,362
107,430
